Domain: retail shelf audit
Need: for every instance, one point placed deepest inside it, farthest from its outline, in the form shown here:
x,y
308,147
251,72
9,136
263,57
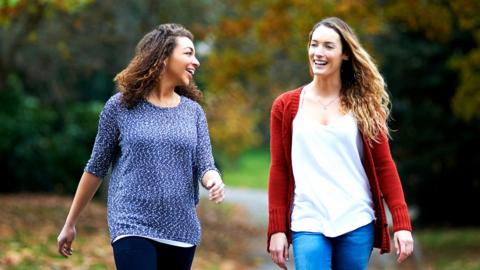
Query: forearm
x,y
87,187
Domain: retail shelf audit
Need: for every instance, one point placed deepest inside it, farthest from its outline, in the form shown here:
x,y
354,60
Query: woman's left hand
x,y
215,186
403,244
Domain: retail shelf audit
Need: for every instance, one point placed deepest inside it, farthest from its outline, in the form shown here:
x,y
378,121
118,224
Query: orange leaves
x,y
229,65
233,28
467,13
261,45
232,120
274,26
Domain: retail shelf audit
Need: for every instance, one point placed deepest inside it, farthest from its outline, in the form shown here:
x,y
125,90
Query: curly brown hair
x,y
142,75
363,88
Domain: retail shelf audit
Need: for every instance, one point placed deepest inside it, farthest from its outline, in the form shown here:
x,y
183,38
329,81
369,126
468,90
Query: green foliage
x,y
250,170
466,102
453,24
62,56
27,12
9,3
436,151
43,147
56,54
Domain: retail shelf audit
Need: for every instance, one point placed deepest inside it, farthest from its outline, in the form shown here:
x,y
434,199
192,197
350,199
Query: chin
x,y
318,73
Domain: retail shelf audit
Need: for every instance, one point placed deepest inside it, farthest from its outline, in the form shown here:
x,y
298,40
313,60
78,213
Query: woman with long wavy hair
x,y
331,166
154,137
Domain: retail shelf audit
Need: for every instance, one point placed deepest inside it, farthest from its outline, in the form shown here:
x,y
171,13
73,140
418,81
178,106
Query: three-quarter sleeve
x,y
204,161
106,141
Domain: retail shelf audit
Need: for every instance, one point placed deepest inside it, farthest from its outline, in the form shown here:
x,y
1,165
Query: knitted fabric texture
x,y
378,164
157,157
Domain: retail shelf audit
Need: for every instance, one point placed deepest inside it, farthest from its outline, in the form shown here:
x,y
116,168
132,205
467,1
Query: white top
x,y
332,192
163,241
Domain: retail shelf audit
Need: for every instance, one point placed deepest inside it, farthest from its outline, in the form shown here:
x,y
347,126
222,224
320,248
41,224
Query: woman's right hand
x,y
65,240
87,187
279,249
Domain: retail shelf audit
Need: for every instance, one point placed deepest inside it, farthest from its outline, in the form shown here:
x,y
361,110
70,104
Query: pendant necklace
x,y
324,106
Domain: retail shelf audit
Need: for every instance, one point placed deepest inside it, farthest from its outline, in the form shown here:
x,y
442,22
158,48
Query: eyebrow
x,y
189,47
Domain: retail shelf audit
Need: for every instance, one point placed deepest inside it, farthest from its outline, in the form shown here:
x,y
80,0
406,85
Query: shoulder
x,y
114,102
287,98
114,106
194,109
190,104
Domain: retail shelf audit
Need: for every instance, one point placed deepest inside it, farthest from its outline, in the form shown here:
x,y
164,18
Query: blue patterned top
x,y
158,156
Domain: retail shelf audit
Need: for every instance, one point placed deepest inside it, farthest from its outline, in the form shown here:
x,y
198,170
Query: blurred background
x,y
58,59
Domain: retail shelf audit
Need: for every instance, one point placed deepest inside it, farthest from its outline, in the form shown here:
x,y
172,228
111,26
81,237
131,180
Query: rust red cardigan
x,y
379,167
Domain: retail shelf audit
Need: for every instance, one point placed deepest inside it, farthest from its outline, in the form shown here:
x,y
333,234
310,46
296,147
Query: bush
x,y
43,147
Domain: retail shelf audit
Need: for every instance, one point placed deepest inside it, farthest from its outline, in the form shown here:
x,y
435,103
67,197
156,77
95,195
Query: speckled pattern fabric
x,y
157,158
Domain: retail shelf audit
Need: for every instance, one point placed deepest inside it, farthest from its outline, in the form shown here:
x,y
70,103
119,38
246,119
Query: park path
x,y
255,202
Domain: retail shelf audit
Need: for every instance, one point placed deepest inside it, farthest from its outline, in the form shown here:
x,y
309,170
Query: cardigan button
x,y
385,225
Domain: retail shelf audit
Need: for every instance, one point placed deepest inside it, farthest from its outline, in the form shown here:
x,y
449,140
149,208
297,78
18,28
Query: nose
x,y
195,62
318,51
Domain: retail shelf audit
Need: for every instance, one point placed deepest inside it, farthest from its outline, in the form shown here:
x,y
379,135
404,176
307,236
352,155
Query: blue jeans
x,y
315,251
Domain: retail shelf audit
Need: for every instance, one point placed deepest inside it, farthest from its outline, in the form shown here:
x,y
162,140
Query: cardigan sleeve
x,y
278,176
390,185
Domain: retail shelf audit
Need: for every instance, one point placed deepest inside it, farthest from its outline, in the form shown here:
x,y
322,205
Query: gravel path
x,y
256,203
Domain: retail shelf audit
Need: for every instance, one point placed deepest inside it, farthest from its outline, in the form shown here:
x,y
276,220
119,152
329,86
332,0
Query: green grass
x,y
250,170
450,249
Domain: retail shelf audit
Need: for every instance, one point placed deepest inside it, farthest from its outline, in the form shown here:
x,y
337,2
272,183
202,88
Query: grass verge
x,y
250,170
30,224
450,249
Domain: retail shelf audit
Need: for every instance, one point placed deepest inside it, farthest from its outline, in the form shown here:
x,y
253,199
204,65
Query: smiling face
x,y
180,66
325,52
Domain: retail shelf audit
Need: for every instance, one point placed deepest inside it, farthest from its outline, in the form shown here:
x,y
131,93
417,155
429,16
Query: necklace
x,y
324,106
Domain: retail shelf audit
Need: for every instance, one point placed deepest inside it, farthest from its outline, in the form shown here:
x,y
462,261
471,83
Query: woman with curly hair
x,y
331,166
154,136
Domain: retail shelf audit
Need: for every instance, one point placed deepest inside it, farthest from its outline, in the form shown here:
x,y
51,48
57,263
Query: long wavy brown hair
x,y
363,88
142,75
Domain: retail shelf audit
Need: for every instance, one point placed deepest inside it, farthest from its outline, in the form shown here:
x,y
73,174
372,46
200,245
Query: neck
x,y
164,95
326,87
164,90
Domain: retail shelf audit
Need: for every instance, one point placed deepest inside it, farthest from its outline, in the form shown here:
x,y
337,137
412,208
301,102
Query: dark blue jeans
x,y
142,253
350,251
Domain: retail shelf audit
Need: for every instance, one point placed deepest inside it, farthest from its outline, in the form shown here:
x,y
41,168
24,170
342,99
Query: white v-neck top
x,y
332,192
